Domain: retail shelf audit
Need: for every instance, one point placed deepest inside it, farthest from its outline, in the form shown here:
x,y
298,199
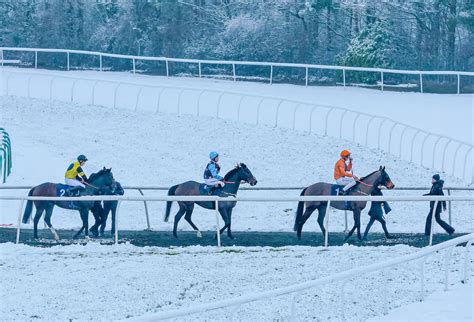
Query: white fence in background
x,y
141,190
201,62
444,153
217,199
343,278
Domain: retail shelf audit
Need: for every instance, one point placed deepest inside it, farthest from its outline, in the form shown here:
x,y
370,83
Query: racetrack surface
x,y
188,238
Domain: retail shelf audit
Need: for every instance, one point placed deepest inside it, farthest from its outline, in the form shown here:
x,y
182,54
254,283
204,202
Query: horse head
x,y
102,178
246,175
384,179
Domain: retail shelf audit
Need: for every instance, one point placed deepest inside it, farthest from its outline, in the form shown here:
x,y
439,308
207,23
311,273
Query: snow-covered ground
x,y
114,282
164,149
446,114
455,305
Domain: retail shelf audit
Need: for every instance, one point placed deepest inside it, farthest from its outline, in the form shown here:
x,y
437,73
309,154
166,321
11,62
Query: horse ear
x,y
383,168
380,168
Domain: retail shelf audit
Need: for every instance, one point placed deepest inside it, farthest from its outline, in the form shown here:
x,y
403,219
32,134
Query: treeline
x,y
426,35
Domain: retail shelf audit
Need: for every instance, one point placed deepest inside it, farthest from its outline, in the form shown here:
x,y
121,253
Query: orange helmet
x,y
345,153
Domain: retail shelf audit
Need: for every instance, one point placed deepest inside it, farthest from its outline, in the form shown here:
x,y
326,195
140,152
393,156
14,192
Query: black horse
x,y
232,182
102,209
364,187
97,181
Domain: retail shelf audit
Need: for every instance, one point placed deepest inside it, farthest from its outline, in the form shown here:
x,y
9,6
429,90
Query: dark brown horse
x,y
191,188
97,181
364,187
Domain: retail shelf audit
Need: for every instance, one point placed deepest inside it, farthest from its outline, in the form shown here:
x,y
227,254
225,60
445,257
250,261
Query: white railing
x,y
344,277
361,128
217,199
141,190
201,62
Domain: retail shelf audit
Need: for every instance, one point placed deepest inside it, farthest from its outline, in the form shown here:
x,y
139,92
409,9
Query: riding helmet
x,y
213,155
82,157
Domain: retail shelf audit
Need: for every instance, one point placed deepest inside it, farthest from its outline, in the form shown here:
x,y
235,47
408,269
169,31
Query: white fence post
x,y
447,258
326,215
381,79
217,224
133,60
306,79
449,207
466,273
271,74
167,69
67,52
117,221
421,83
199,64
422,279
100,62
233,72
346,229
36,59
459,84
18,227
344,77
146,211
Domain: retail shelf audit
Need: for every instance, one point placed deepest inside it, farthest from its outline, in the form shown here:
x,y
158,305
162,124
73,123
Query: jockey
x,y
342,171
211,174
75,176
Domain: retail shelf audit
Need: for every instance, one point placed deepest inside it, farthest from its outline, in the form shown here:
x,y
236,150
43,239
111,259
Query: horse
x,y
95,183
102,209
232,182
364,186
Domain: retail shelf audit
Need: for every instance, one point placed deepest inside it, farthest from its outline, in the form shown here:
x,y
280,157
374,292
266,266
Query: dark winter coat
x,y
437,190
375,210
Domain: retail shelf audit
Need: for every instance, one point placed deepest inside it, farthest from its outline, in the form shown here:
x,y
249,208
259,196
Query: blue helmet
x,y
213,155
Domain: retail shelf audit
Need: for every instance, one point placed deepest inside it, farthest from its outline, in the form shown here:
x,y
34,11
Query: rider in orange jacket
x,y
342,171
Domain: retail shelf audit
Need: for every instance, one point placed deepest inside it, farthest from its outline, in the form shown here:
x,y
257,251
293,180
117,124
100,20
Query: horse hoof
x,y
231,237
199,234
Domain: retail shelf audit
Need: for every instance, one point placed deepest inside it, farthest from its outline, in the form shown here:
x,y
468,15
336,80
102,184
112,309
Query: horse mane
x,y
368,175
233,171
98,174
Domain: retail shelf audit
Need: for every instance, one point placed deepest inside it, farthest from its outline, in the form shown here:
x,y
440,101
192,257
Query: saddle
x,y
214,191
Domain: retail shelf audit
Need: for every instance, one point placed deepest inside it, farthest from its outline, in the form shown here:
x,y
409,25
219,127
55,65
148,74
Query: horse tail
x,y
29,208
299,211
171,192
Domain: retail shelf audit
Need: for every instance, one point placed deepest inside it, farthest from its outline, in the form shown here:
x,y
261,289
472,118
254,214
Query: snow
x,y
165,149
455,305
446,114
100,282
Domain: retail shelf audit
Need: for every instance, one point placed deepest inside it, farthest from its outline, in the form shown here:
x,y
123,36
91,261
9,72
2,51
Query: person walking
x,y
437,190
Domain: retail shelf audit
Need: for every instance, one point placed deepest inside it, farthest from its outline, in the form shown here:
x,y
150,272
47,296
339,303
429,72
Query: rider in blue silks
x,y
212,179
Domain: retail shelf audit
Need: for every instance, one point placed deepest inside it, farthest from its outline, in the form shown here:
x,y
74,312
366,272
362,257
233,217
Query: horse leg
x,y
38,214
357,213
307,213
97,213
321,215
83,223
47,219
187,217
223,212
229,232
177,218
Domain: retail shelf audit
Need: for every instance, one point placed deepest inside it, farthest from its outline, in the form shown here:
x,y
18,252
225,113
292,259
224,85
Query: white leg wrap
x,y
55,234
198,234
